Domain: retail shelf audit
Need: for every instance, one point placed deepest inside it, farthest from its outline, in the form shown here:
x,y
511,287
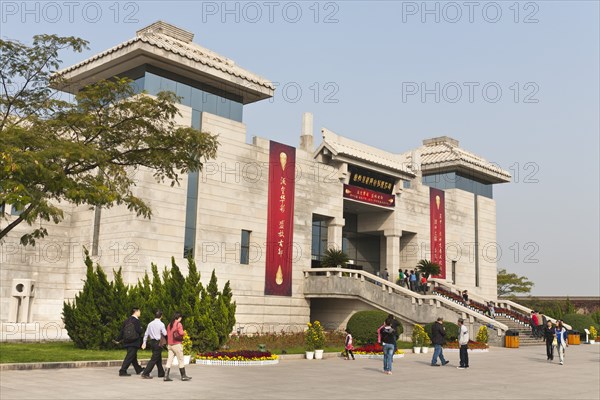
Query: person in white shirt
x,y
463,341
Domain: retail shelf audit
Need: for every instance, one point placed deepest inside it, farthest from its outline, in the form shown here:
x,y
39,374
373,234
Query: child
x,y
348,345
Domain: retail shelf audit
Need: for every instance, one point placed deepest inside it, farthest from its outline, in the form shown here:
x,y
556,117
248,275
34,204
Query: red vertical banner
x,y
437,225
280,219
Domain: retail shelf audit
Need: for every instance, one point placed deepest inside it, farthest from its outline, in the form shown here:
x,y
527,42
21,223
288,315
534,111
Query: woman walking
x,y
174,340
549,337
348,346
561,341
388,339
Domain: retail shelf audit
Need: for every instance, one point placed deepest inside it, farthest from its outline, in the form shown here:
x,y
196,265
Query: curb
x,y
62,364
112,363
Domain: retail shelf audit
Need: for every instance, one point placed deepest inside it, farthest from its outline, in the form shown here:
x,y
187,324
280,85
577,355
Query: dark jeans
x,y
155,360
549,349
464,355
131,359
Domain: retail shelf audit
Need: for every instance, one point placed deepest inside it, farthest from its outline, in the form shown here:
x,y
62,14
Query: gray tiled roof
x,y
360,151
161,35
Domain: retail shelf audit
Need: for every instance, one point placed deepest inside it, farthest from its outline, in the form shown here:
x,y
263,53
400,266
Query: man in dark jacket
x,y
438,337
131,335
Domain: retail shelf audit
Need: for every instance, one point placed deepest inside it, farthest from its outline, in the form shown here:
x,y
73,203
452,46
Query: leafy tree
x,y
512,283
83,152
428,268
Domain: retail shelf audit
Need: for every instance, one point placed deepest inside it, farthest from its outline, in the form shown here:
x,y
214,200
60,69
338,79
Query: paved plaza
x,y
500,374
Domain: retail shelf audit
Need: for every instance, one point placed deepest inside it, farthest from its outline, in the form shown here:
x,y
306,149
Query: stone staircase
x,y
525,338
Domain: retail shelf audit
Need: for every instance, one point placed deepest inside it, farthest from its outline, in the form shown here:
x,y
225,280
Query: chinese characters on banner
x,y
369,196
280,219
437,221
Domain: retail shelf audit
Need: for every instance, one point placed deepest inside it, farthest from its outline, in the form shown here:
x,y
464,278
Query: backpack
x,y
129,333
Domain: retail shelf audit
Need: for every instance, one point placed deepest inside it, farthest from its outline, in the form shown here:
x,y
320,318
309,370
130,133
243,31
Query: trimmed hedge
x,y
579,322
451,330
364,325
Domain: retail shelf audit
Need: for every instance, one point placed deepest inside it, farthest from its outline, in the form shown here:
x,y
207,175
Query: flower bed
x,y
473,346
237,358
373,351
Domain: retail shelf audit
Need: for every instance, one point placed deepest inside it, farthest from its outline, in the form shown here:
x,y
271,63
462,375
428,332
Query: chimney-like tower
x,y
306,136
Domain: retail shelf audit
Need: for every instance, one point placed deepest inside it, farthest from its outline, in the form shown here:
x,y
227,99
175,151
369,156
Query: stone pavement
x,y
500,374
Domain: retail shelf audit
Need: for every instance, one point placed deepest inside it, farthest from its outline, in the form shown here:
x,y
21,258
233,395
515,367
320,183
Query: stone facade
x,y
232,196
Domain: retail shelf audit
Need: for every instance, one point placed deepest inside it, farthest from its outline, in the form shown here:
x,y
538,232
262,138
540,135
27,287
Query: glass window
x,y
236,111
14,211
209,103
185,92
168,85
197,96
152,83
223,107
245,248
196,119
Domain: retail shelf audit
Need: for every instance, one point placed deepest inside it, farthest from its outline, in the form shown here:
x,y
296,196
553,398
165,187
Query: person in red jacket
x,y
174,339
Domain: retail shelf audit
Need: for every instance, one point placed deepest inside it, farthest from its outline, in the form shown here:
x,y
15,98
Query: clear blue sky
x,y
361,68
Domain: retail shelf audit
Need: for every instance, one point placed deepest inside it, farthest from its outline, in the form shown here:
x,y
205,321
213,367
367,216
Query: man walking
x,y
131,335
463,341
155,330
438,334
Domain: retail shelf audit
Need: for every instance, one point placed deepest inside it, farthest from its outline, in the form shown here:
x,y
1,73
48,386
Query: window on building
x,y
2,208
245,247
319,239
14,211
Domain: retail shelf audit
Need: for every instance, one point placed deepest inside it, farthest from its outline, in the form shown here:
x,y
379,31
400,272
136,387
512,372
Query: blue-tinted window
x,y
152,83
236,111
196,119
197,96
168,85
245,248
209,103
452,180
185,92
223,107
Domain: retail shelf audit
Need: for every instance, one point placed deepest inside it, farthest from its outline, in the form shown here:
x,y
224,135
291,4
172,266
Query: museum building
x,y
262,213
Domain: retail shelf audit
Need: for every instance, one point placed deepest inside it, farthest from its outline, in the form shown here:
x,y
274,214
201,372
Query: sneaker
x,y
435,365
461,367
144,376
561,363
446,362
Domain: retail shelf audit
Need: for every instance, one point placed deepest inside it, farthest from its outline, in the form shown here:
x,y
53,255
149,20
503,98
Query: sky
x,y
515,82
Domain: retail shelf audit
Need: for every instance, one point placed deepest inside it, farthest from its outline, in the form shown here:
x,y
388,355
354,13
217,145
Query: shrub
x,y
418,335
94,318
578,322
364,325
593,333
186,344
451,330
314,336
482,335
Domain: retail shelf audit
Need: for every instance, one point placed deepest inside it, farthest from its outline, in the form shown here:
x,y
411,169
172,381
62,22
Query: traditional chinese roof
x,y
442,154
170,48
347,150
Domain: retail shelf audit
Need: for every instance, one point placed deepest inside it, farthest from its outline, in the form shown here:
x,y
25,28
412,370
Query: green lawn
x,y
58,351
66,351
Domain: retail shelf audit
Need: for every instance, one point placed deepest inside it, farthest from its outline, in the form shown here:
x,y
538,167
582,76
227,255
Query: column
x,y
392,255
334,232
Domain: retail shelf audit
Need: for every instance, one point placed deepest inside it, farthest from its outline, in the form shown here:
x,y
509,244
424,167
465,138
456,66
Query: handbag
x,y
554,342
163,341
177,336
